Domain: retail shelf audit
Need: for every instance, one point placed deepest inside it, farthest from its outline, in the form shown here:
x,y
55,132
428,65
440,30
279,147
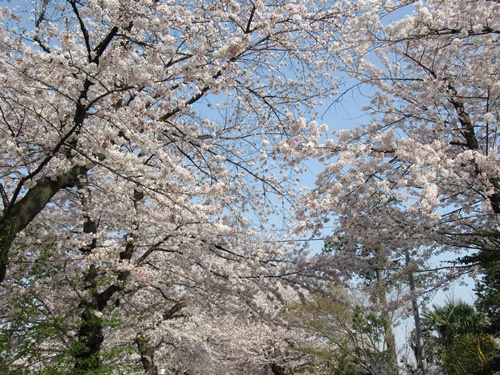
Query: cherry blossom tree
x,y
353,336
423,175
139,174
150,149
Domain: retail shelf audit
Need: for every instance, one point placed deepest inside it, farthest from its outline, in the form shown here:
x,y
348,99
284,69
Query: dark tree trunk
x,y
147,355
90,335
279,370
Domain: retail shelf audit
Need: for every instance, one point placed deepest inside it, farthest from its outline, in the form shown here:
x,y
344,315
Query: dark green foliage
x,y
41,335
488,293
456,339
488,287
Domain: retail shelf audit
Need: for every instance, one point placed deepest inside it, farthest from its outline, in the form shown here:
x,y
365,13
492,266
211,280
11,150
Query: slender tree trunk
x,y
422,360
389,333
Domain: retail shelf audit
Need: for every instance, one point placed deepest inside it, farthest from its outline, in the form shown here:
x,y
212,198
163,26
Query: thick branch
x,y
18,215
83,28
472,143
25,210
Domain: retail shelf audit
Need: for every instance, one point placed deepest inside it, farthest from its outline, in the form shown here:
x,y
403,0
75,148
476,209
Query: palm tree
x,y
457,339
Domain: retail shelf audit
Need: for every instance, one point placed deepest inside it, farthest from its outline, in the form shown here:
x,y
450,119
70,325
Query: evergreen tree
x,y
457,340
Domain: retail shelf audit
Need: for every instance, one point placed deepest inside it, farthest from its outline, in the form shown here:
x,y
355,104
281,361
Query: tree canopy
x,y
152,157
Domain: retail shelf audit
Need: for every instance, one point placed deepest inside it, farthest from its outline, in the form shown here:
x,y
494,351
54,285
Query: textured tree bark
x,y
90,333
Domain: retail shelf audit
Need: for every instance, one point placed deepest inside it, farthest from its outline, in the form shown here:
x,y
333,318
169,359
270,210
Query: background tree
x,y
431,141
457,340
488,296
488,285
350,335
431,144
374,276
